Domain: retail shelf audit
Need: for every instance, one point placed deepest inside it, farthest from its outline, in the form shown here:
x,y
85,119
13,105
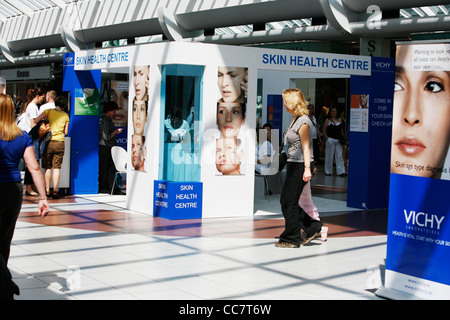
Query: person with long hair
x,y
36,98
299,170
15,144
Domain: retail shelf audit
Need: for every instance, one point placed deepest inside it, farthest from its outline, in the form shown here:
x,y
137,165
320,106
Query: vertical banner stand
x,y
418,236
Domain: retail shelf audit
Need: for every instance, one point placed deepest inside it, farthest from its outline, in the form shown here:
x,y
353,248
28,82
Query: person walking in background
x,y
54,151
333,131
108,132
299,165
15,144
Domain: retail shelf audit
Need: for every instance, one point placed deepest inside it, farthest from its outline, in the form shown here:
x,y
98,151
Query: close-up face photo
x,y
139,116
230,118
227,159
232,82
137,152
141,81
363,101
119,94
421,126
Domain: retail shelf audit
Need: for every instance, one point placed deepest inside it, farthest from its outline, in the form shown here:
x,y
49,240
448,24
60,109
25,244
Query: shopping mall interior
x,y
102,246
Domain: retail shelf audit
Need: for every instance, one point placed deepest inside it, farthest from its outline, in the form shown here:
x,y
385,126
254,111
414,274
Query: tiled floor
x,y
91,247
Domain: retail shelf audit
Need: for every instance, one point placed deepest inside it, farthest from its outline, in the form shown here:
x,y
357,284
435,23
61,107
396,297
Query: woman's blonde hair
x,y
8,128
295,101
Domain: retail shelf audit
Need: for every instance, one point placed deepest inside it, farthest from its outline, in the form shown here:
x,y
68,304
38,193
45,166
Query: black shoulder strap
x,y
293,122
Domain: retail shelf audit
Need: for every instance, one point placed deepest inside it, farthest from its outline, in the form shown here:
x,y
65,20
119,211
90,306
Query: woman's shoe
x,y
308,239
283,244
31,194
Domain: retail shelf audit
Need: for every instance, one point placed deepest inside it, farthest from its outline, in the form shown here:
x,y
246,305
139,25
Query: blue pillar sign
x,y
177,200
370,128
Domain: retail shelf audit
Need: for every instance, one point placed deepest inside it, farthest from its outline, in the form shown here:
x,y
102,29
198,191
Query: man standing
x,y
50,98
108,132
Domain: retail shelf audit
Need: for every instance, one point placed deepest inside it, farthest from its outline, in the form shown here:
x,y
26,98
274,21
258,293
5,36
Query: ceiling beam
x,y
19,5
59,3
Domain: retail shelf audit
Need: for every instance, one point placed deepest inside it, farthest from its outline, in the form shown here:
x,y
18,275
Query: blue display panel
x,y
418,228
178,200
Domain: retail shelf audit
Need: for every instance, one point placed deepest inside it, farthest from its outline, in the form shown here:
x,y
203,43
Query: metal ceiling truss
x,y
27,25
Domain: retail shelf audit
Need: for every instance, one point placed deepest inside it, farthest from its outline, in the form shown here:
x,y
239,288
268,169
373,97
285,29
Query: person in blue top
x,y
15,144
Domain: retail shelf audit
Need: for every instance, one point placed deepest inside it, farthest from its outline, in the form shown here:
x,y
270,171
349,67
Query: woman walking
x,y
298,140
15,144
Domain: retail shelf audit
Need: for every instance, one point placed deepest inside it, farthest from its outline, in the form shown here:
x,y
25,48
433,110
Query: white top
x,y
32,112
264,150
48,105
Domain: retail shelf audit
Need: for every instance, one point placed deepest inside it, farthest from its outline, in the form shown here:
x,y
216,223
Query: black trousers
x,y
106,170
295,217
10,205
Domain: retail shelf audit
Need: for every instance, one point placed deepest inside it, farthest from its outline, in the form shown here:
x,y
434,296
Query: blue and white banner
x,y
315,62
418,253
103,59
418,248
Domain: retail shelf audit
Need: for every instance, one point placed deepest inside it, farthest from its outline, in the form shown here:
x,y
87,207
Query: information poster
x,y
359,118
87,102
418,250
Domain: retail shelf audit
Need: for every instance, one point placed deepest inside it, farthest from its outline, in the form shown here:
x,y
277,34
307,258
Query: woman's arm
x,y
38,179
39,118
304,139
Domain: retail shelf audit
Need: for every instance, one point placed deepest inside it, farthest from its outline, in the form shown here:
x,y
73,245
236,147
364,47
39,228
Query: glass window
x,y
181,99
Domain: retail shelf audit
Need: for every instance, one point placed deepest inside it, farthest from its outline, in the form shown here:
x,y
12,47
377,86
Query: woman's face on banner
x,y
227,160
230,118
121,98
421,119
141,81
137,152
231,81
139,116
